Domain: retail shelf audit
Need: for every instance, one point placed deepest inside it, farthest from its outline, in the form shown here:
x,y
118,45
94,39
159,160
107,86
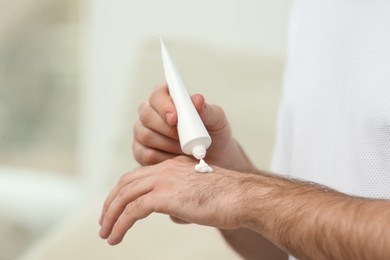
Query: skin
x,y
262,216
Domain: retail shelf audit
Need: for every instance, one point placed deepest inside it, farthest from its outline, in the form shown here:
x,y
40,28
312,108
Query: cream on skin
x,y
193,136
203,167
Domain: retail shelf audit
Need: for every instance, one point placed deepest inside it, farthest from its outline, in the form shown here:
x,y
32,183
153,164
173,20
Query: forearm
x,y
247,243
233,157
313,222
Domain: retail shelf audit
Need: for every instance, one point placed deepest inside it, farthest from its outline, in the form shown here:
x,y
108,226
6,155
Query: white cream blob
x,y
203,167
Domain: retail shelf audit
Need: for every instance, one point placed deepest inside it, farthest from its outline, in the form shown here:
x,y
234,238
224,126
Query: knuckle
x,y
136,127
170,163
219,122
138,158
139,203
109,217
144,113
147,136
143,155
143,134
128,209
136,150
219,110
129,212
172,132
137,124
155,93
141,106
134,206
123,179
122,194
149,156
160,98
181,158
106,204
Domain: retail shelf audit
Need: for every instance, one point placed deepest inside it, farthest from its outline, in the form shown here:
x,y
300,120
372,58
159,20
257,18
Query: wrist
x,y
252,194
233,157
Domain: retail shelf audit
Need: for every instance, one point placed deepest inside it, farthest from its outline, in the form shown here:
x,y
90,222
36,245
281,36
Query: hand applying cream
x,y
193,136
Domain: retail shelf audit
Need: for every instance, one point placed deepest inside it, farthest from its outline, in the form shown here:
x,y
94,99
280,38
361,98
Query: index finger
x,y
123,181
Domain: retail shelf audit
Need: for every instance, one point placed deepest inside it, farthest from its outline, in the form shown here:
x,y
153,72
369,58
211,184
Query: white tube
x,y
193,136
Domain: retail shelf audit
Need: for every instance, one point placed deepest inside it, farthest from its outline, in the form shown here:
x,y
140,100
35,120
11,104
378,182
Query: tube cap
x,y
199,152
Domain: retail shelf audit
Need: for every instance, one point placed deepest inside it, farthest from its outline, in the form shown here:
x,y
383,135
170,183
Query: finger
x,y
149,156
161,101
151,119
199,102
124,180
212,116
124,196
134,211
152,139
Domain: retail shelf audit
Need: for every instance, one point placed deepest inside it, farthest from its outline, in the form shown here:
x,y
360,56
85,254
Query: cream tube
x,y
193,136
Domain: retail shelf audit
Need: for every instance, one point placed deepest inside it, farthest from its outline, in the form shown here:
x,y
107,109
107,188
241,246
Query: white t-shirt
x,y
334,121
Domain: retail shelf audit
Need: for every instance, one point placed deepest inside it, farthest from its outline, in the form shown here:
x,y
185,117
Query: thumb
x,y
213,116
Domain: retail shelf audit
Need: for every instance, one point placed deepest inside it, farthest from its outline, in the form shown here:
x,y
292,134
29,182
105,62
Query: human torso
x,y
334,125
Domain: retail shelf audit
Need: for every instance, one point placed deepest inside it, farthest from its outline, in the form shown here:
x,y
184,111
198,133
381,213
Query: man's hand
x,y
156,138
173,188
306,220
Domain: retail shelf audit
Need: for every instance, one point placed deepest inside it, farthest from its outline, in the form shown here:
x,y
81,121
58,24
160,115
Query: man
x,y
334,130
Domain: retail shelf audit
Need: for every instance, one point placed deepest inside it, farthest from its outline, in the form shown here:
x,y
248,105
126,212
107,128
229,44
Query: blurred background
x,y
72,75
